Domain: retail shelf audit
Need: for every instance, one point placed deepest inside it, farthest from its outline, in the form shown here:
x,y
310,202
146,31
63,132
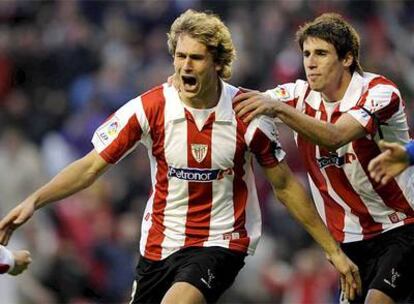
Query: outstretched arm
x,y
291,193
394,159
75,177
329,135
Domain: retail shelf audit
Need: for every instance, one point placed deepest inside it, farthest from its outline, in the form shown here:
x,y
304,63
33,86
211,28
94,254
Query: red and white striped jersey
x,y
203,189
353,206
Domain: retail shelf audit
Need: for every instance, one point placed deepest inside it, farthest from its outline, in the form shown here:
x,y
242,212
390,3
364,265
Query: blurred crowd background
x,y
66,65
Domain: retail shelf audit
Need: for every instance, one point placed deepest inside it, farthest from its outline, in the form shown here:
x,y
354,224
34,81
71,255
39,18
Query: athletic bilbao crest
x,y
199,152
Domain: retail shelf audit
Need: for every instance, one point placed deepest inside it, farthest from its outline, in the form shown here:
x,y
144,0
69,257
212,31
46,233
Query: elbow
x,y
89,178
333,145
334,140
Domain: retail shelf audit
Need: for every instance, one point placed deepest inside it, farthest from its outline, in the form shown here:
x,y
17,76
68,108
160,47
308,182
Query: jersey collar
x,y
350,99
175,111
353,93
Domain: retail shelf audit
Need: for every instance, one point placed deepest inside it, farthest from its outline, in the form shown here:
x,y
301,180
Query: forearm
x,y
75,177
303,210
318,132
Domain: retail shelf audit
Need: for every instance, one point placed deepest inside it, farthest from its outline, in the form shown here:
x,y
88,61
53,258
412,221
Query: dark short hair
x,y
332,28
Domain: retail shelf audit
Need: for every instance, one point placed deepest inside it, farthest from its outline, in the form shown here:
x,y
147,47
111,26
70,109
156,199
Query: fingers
x,y
358,281
244,96
22,217
11,221
351,283
245,90
245,107
343,288
6,229
373,165
386,145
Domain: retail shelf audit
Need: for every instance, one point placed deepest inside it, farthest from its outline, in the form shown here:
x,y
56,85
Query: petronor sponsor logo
x,y
198,175
334,160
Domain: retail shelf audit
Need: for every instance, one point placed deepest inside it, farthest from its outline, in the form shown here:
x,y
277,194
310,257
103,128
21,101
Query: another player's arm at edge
x,y
75,177
292,194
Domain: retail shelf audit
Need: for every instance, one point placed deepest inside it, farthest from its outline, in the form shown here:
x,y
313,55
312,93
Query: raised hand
x,y
391,162
253,103
15,218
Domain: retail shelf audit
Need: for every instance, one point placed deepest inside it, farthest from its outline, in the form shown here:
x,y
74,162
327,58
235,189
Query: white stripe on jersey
x,y
378,210
147,219
223,145
317,198
352,227
175,149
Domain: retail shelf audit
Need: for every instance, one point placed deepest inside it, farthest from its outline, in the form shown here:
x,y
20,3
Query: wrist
x,y
333,251
410,152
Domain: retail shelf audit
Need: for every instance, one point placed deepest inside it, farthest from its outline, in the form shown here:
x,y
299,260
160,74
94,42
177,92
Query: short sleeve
x,y
121,132
262,138
289,93
377,106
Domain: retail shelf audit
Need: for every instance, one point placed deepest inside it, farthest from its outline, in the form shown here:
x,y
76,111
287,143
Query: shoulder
x,y
289,91
376,82
265,124
155,94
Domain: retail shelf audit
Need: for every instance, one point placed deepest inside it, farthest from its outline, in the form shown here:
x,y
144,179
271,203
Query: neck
x,y
337,92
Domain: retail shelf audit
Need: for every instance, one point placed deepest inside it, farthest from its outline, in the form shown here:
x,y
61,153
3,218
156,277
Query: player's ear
x,y
348,60
218,67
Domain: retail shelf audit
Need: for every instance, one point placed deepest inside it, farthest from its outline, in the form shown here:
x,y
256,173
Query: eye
x,y
179,55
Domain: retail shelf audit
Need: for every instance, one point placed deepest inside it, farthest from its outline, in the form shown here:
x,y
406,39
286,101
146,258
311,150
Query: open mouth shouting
x,y
189,83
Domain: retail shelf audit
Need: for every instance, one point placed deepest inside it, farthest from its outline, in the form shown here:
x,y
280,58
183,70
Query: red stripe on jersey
x,y
154,107
344,189
126,139
380,80
335,214
384,113
264,149
391,193
200,195
292,102
341,185
240,191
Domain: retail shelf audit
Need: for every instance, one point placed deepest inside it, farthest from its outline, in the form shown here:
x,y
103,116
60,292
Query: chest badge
x,y
199,152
